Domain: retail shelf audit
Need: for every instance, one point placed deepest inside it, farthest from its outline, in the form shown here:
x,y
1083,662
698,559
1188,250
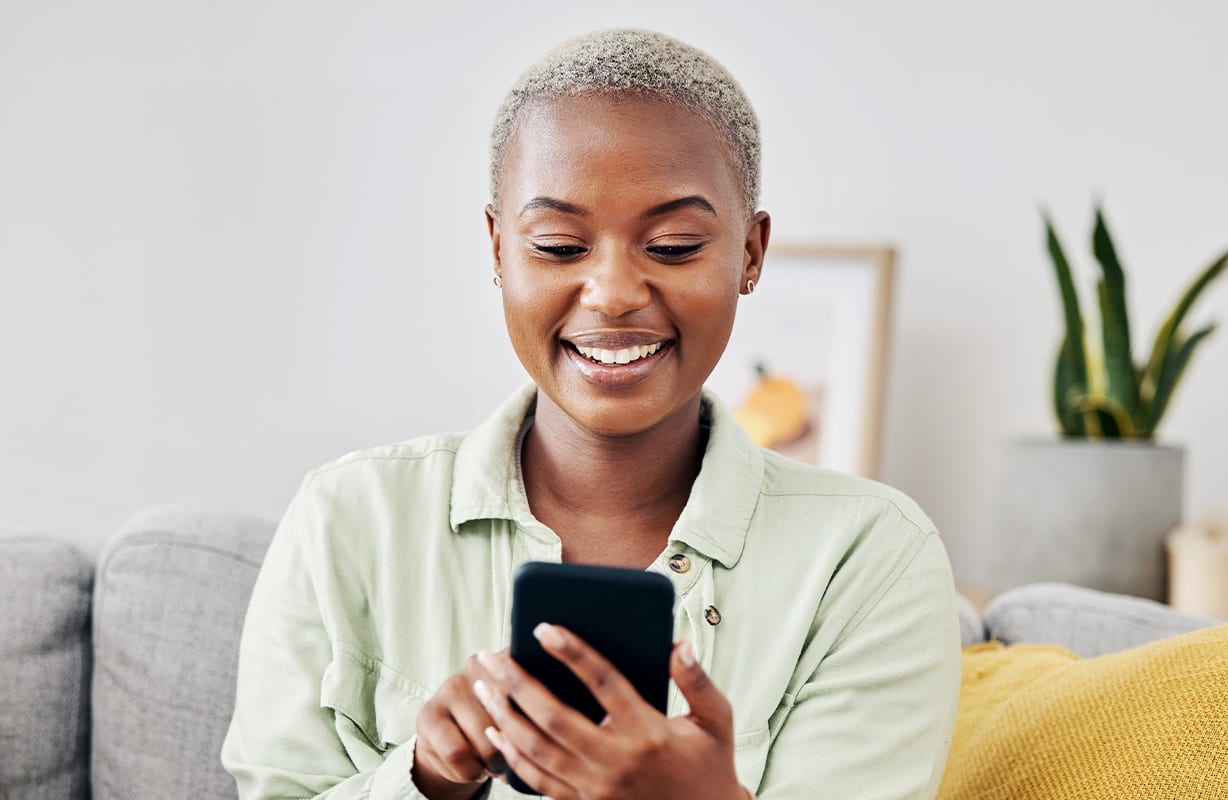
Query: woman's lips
x,y
619,368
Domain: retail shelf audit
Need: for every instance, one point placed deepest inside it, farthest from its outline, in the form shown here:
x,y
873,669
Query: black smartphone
x,y
627,615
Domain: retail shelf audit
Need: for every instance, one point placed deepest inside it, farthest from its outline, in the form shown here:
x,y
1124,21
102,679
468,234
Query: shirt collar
x,y
714,522
484,480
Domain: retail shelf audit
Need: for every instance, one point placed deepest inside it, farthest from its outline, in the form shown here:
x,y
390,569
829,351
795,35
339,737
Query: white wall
x,y
239,239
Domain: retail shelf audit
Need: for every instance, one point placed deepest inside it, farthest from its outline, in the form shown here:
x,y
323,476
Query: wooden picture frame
x,y
819,319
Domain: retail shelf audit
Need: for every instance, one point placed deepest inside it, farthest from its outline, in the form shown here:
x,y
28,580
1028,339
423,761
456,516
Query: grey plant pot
x,y
1092,513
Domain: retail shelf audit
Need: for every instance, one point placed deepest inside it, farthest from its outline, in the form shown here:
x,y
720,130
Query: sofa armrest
x,y
971,626
1086,622
44,669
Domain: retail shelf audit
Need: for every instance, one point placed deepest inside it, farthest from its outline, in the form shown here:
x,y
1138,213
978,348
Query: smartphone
x,y
627,615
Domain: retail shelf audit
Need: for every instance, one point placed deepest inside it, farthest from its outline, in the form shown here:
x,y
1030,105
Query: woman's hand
x,y
453,757
635,752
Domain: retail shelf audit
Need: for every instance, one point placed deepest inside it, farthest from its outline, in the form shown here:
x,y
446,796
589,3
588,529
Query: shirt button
x,y
712,615
679,563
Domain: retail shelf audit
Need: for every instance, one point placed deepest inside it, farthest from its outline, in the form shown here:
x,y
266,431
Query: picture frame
x,y
818,323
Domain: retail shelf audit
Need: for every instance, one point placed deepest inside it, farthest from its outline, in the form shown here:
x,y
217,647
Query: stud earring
x,y
750,286
498,282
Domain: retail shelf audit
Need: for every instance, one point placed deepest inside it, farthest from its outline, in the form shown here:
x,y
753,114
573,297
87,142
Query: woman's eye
x,y
674,250
559,250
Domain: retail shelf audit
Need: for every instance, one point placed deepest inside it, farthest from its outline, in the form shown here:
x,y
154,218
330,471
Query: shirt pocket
x,y
372,702
750,752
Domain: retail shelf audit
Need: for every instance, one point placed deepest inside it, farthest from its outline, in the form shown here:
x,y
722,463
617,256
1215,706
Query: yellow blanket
x,y
1036,721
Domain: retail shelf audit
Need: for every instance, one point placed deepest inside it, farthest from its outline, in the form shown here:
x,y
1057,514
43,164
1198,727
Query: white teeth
x,y
624,356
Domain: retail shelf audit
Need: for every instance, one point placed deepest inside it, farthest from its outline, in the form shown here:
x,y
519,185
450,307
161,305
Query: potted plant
x,y
1093,507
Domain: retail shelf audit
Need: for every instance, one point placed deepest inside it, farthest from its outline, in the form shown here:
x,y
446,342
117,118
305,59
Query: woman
x,y
819,650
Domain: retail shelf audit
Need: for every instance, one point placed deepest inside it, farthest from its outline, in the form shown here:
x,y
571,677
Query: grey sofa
x,y
117,682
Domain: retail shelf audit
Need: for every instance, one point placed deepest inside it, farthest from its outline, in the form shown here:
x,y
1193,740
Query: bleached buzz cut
x,y
635,61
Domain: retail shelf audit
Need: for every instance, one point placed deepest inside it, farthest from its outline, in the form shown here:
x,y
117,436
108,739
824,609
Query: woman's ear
x,y
492,226
758,232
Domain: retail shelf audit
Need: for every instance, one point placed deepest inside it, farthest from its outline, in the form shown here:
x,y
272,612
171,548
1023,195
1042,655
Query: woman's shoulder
x,y
357,507
478,448
827,490
429,453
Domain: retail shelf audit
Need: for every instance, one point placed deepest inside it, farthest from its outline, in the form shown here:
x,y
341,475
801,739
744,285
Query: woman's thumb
x,y
708,704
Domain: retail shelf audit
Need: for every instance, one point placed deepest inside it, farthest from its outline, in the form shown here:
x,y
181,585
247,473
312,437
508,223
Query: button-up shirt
x,y
821,604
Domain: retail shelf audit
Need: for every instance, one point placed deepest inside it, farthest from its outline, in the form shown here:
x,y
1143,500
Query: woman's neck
x,y
611,500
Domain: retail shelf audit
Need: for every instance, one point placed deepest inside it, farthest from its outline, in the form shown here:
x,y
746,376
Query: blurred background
x,y
240,239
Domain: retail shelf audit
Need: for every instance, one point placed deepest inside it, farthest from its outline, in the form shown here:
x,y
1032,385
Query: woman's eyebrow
x,y
692,201
552,203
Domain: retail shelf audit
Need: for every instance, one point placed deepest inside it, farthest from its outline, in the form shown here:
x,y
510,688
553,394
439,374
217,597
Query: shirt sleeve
x,y
875,719
282,742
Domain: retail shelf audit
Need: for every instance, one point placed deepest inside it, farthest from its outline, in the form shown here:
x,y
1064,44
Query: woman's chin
x,y
620,415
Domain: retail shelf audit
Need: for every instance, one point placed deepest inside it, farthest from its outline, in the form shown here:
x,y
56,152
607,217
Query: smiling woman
x,y
818,645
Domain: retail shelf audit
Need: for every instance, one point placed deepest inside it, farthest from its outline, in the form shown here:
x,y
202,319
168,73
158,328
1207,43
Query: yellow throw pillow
x,y
1036,721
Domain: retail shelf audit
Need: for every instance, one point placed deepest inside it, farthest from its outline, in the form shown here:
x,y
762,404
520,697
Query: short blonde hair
x,y
634,61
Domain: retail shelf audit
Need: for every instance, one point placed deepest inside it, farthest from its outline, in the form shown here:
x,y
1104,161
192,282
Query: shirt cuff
x,y
393,781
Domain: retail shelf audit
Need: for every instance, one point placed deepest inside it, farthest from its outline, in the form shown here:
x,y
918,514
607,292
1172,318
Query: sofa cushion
x,y
172,590
45,661
1086,622
1035,721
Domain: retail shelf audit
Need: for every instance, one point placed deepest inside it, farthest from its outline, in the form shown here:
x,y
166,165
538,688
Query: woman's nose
x,y
615,286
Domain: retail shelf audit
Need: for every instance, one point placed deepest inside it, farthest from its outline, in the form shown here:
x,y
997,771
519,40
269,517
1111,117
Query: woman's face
x,y
622,241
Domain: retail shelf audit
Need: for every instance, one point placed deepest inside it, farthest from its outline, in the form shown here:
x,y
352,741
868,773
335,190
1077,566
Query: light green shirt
x,y
837,641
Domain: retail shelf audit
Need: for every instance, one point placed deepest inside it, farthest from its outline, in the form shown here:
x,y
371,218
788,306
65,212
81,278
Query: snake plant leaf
x,y
1111,418
1071,373
1114,320
1172,368
1169,330
1091,423
1067,388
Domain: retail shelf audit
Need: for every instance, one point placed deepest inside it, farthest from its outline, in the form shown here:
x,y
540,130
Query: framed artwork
x,y
804,369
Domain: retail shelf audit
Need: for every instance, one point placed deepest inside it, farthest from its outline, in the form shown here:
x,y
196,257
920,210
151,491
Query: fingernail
x,y
495,737
547,634
483,692
487,660
686,652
